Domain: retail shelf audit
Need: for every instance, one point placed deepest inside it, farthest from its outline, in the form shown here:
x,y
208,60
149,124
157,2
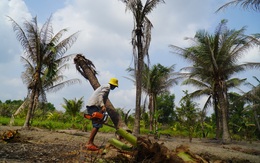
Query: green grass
x,y
51,125
86,126
55,125
6,120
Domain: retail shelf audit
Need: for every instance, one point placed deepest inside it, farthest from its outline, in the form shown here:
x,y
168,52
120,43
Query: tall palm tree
x,y
214,58
246,4
141,38
44,60
72,107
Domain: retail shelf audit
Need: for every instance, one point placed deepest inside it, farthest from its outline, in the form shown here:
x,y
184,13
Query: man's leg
x,y
90,144
92,136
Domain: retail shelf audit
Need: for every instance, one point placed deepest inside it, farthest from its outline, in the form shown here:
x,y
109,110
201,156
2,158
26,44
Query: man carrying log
x,y
96,109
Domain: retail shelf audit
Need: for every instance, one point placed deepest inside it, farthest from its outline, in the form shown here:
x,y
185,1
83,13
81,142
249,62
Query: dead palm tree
x,y
44,61
88,71
141,38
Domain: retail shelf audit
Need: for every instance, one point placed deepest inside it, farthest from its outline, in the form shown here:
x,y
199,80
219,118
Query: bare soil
x,y
40,145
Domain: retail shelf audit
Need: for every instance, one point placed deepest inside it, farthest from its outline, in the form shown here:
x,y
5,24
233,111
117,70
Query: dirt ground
x,y
39,145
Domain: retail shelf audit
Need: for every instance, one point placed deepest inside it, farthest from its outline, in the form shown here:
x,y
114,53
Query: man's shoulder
x,y
105,86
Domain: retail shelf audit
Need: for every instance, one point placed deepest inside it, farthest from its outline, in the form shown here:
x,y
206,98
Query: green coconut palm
x,y
214,59
44,61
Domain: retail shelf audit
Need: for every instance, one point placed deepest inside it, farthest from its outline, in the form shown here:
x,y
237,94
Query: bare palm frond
x,y
150,5
47,31
21,36
65,44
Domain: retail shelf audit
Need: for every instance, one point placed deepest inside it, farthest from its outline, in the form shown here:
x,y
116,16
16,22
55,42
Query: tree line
x,y
186,120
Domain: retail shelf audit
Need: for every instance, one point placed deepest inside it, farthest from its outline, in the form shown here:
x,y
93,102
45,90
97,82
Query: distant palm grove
x,y
212,72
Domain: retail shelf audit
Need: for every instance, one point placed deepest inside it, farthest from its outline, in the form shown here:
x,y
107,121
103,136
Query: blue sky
x,y
105,35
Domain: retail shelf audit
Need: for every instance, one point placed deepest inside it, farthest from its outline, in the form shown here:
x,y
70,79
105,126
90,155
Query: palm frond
x,y
208,103
195,82
252,65
147,36
47,31
150,5
29,70
21,36
245,4
65,44
61,85
235,82
33,35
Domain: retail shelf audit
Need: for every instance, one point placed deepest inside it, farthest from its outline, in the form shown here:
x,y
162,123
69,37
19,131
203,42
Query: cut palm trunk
x,y
120,145
128,136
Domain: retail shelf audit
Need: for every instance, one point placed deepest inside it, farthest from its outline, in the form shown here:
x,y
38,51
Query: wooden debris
x,y
9,135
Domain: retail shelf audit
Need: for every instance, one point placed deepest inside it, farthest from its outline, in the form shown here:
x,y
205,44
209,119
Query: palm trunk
x,y
139,74
223,103
87,70
35,104
256,120
120,145
218,114
151,109
128,136
226,135
30,110
202,117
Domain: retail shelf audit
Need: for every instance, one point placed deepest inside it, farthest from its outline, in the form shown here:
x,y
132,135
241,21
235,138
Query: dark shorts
x,y
90,110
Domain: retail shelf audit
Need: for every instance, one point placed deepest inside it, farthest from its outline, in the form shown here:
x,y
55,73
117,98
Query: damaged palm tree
x,y
87,70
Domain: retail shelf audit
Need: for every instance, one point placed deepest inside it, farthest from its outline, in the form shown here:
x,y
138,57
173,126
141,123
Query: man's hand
x,y
103,109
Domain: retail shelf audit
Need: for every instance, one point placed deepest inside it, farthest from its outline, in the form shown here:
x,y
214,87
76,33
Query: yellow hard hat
x,y
114,82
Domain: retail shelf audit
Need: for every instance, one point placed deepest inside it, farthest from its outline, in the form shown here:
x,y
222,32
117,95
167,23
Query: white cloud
x,y
252,55
16,9
124,99
105,38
